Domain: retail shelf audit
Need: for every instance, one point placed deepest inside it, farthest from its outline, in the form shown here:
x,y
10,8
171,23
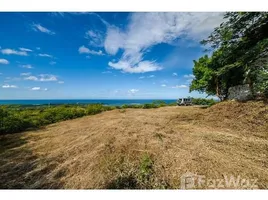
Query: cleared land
x,y
140,148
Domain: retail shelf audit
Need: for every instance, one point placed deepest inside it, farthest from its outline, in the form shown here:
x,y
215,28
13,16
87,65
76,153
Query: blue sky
x,y
101,55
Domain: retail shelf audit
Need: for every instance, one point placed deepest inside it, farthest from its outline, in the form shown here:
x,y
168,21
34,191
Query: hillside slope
x,y
139,148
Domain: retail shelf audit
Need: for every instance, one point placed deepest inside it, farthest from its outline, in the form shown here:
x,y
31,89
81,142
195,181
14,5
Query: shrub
x,y
148,106
203,101
159,103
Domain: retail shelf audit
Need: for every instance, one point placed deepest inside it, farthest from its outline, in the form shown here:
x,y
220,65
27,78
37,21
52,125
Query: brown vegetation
x,y
140,148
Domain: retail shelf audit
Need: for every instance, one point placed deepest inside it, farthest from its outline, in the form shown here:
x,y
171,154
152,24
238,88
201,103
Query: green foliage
x,y
131,106
240,47
159,103
146,169
16,119
202,101
149,105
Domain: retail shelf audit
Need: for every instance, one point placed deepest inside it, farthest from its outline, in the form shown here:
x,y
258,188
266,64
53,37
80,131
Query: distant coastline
x,y
111,102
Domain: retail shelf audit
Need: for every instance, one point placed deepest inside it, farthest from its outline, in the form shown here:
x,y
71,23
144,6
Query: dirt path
x,y
90,152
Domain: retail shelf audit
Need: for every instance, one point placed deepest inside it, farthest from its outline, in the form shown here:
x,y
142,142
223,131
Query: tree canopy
x,y
239,55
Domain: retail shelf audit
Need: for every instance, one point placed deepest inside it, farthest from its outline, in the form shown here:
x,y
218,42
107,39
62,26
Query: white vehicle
x,y
184,102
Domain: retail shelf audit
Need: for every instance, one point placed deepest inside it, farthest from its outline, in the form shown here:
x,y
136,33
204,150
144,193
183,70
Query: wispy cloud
x,y
9,86
133,91
84,50
13,52
47,77
107,72
95,38
38,27
45,55
4,61
60,82
148,29
26,74
174,74
42,78
151,76
163,85
180,86
38,89
141,67
25,49
31,78
188,76
27,66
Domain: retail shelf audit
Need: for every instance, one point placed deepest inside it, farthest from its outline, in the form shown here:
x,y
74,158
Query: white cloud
x,y
26,74
107,72
151,76
180,86
38,27
141,77
9,86
148,29
45,55
42,78
13,52
36,88
38,48
95,38
85,50
174,74
141,67
60,82
25,49
27,66
31,78
52,63
163,85
4,61
133,91
191,76
47,77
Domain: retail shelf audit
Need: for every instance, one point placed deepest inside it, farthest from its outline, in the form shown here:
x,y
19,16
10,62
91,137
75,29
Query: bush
x,y
150,105
159,103
16,119
203,101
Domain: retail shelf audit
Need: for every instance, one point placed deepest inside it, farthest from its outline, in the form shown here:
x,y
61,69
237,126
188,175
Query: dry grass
x,y
140,148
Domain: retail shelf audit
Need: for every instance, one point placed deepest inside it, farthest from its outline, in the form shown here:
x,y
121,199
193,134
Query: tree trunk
x,y
217,89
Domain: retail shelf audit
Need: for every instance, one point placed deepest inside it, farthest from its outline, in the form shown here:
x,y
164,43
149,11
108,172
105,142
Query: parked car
x,y
184,102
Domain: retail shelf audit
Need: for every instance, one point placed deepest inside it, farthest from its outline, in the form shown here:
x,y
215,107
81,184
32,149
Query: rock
x,y
240,92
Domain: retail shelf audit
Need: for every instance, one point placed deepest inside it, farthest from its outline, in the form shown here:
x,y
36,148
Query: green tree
x,y
240,46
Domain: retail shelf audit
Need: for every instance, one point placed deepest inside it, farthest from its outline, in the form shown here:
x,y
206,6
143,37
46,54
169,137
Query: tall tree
x,y
240,46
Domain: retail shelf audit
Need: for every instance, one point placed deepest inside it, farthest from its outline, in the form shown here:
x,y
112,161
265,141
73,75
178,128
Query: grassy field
x,y
140,148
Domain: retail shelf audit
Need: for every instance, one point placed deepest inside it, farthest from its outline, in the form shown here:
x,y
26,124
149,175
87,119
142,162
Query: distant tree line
x,y
238,51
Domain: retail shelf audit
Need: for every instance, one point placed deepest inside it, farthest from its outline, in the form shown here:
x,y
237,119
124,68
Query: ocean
x,y
112,102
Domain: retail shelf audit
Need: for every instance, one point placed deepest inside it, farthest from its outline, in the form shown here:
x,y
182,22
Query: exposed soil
x,y
105,150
